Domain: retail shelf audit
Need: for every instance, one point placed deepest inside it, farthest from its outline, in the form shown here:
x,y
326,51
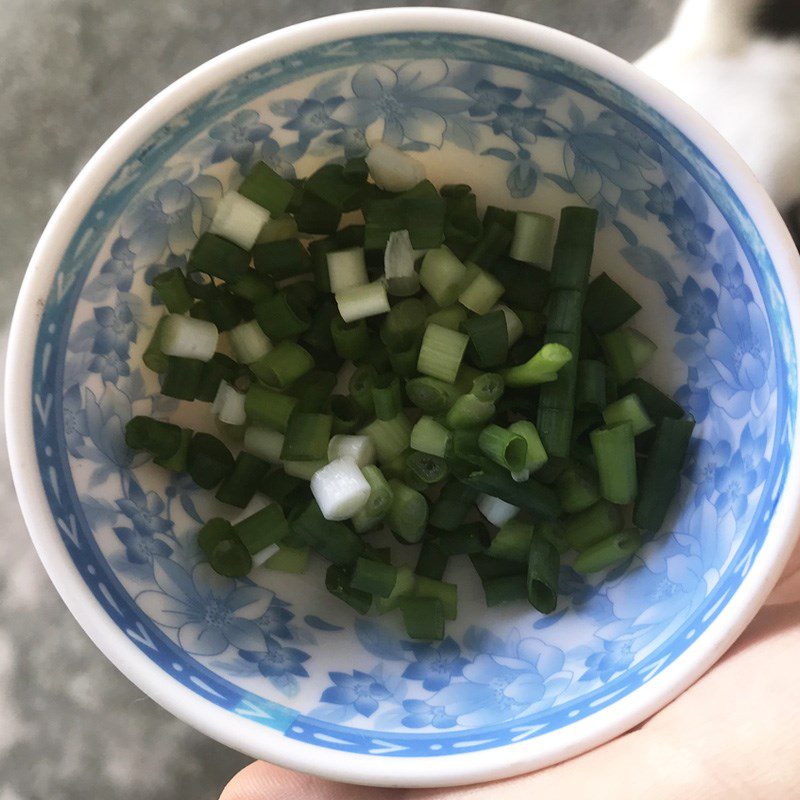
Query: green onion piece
x,y
313,390
268,408
332,540
529,286
442,276
399,271
337,582
535,457
590,386
441,353
153,357
543,367
470,538
350,339
615,454
627,351
655,402
431,395
304,469
468,411
504,447
608,552
482,292
564,310
282,316
462,226
283,365
359,302
170,286
593,524
225,310
264,443
162,439
360,387
373,577
493,480
390,437
178,460
608,306
249,342
182,378
330,184
505,589
542,579
489,568
242,483
230,558
426,468
386,396
404,362
314,215
533,238
346,412
307,437
402,588
554,534
264,186
289,559
218,257
450,510
280,487
304,292
432,561
282,259
501,216
492,245
512,542
423,618
278,228
451,317
404,324
488,339
488,387
662,472
318,336
408,514
628,409
428,436
346,269
577,488
262,529
446,593
380,496
216,530
572,254
208,460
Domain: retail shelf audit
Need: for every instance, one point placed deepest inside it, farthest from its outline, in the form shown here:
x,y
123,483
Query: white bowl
x,y
531,118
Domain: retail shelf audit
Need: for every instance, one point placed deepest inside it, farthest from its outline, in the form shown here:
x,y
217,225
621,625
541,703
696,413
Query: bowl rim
x,y
247,735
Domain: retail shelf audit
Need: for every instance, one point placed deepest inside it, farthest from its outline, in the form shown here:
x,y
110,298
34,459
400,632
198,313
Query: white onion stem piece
x,y
497,511
359,448
229,405
264,443
392,169
186,337
340,489
239,220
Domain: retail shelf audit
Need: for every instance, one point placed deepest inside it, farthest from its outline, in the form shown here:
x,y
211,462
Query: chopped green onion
x,y
340,489
450,510
177,461
577,488
332,540
289,559
469,411
392,169
268,408
608,306
426,468
535,457
386,397
423,618
512,542
229,405
404,362
505,589
265,443
283,365
503,217
337,582
249,342
482,292
489,568
359,302
572,254
282,316
432,561
531,494
218,257
662,472
446,593
329,183
627,351
153,358
655,402
346,269
542,367
471,538
162,439
608,552
504,447
303,469
514,327
390,437
238,220
542,578
496,511
492,245
208,460
182,378
533,238
262,529
212,533
313,390
230,558
217,369
441,353
315,215
403,587
374,577
615,454
488,339
408,514
431,395
278,228
398,260
281,259
185,337
593,524
170,286
358,448
488,387
590,386
404,324
307,437
350,339
442,276
360,387
529,286
628,409
428,436
564,310
264,186
347,413
451,317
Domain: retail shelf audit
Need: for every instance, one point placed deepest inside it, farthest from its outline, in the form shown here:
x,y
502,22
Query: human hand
x,y
733,734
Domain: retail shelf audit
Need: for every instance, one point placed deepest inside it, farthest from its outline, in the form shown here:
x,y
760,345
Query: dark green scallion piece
x,y
608,306
347,414
608,552
577,488
282,259
218,257
212,533
334,541
264,186
182,378
426,468
351,340
374,577
593,524
423,618
267,408
505,589
337,582
313,390
432,560
470,538
242,483
387,398
590,386
542,578
282,316
230,558
171,288
262,529
162,439
153,358
208,460
307,436
283,365
615,454
217,369
488,339
450,510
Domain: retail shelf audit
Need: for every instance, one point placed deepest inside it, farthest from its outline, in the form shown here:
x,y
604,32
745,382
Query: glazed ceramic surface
x,y
271,663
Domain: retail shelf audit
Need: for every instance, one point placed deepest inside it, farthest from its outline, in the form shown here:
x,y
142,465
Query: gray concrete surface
x,y
71,727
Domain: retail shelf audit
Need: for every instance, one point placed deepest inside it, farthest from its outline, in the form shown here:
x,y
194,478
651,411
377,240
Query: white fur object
x,y
748,87
340,489
392,169
239,220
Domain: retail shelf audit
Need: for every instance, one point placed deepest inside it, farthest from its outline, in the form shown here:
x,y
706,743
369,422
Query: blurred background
x,y
71,727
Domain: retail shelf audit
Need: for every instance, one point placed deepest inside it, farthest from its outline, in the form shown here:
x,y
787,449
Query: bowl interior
x,y
526,130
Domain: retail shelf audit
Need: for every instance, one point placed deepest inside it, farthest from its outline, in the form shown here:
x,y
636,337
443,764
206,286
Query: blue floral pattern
x,y
251,646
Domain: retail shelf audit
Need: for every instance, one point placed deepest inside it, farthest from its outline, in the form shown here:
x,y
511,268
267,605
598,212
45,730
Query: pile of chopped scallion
x,y
420,370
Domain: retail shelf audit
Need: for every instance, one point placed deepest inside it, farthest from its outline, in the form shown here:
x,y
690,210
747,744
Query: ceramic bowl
x,y
273,666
